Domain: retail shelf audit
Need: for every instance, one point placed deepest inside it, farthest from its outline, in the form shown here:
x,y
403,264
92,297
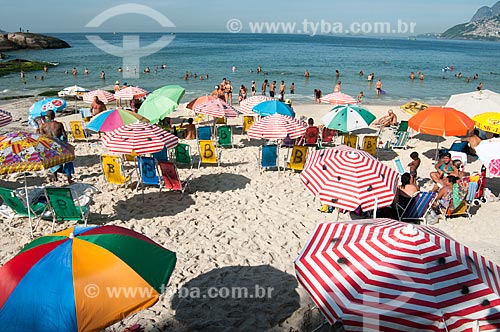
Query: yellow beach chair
x,y
209,153
370,145
351,141
297,158
248,121
78,131
113,170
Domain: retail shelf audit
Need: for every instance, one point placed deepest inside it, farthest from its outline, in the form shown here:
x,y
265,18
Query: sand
x,y
238,228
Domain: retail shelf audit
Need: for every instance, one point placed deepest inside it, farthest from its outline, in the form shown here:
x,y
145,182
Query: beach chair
x,y
161,155
171,180
401,140
328,136
182,154
462,156
268,157
459,146
113,170
248,121
209,153
297,158
288,142
401,128
148,175
418,207
221,121
463,209
204,133
20,209
370,145
350,140
225,136
78,130
61,202
399,166
311,137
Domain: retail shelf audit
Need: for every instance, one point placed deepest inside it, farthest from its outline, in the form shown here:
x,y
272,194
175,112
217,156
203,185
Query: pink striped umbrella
x,y
104,96
138,138
5,118
384,275
338,98
347,178
217,108
248,104
277,126
130,93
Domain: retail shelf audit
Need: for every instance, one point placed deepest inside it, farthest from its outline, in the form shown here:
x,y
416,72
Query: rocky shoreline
x,y
26,40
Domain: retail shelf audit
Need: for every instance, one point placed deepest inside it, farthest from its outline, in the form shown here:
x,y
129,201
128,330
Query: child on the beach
x,y
413,165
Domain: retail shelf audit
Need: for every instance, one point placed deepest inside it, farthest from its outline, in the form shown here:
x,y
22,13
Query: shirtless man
x,y
190,129
97,106
272,89
55,129
263,88
378,87
474,141
389,120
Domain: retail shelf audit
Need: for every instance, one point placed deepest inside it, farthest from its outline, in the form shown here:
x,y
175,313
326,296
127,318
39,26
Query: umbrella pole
x,y
28,203
437,153
375,208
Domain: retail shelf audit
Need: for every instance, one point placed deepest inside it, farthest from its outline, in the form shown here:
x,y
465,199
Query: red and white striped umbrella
x,y
277,126
347,178
338,98
216,108
130,93
104,96
5,118
384,275
248,104
138,138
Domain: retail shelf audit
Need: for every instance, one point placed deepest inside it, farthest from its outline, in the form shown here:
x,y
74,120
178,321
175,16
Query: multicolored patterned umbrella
x,y
42,106
277,126
200,100
248,104
5,118
104,96
161,102
489,121
131,92
82,279
113,119
347,178
25,152
273,107
384,275
138,138
347,118
338,98
217,109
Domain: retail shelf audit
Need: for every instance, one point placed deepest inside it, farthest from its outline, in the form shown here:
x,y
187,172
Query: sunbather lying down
x,y
386,121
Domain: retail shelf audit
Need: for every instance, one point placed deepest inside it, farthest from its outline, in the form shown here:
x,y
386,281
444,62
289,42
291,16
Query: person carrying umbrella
x,y
55,129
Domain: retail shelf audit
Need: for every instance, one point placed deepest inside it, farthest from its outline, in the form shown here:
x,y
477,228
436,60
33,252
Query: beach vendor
x,y
55,129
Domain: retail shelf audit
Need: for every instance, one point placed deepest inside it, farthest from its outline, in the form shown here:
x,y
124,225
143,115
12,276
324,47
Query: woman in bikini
x,y
405,191
443,168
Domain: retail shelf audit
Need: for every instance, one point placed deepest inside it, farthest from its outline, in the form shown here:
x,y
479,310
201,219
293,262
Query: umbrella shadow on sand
x,y
150,205
243,298
429,138
219,182
386,155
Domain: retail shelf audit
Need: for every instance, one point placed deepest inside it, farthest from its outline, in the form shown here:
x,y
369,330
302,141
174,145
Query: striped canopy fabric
x,y
248,104
25,152
86,278
216,108
277,126
130,93
347,118
338,98
384,275
138,138
200,100
104,96
5,118
347,178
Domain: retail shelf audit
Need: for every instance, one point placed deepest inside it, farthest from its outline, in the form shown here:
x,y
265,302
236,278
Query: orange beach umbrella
x,y
441,121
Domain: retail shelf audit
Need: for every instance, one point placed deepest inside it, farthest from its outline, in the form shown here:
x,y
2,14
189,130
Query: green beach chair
x,y
17,205
62,203
401,141
225,136
182,154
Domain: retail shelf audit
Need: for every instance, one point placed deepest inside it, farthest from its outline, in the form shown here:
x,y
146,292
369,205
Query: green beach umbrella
x,y
347,118
161,102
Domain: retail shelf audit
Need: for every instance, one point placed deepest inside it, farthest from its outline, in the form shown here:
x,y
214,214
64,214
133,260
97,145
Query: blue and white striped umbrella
x,y
347,118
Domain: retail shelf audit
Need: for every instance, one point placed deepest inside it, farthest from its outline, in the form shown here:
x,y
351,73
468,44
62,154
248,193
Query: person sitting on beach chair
x,y
312,133
386,121
190,129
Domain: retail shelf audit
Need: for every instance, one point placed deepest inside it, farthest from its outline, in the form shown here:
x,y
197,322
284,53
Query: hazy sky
x,y
212,16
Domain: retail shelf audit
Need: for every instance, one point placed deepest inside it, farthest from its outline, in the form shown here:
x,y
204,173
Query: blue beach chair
x,y
269,157
418,207
148,173
204,133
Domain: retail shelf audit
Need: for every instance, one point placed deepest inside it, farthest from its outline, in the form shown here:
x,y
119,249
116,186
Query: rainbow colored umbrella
x,y
82,279
113,119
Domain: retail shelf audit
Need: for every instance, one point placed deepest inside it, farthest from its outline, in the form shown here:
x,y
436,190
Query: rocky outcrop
x,y
24,40
486,12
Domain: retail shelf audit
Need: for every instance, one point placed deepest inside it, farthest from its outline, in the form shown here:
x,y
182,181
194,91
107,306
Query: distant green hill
x,y
484,29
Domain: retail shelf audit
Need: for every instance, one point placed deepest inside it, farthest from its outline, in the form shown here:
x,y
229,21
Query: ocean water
x,y
283,57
